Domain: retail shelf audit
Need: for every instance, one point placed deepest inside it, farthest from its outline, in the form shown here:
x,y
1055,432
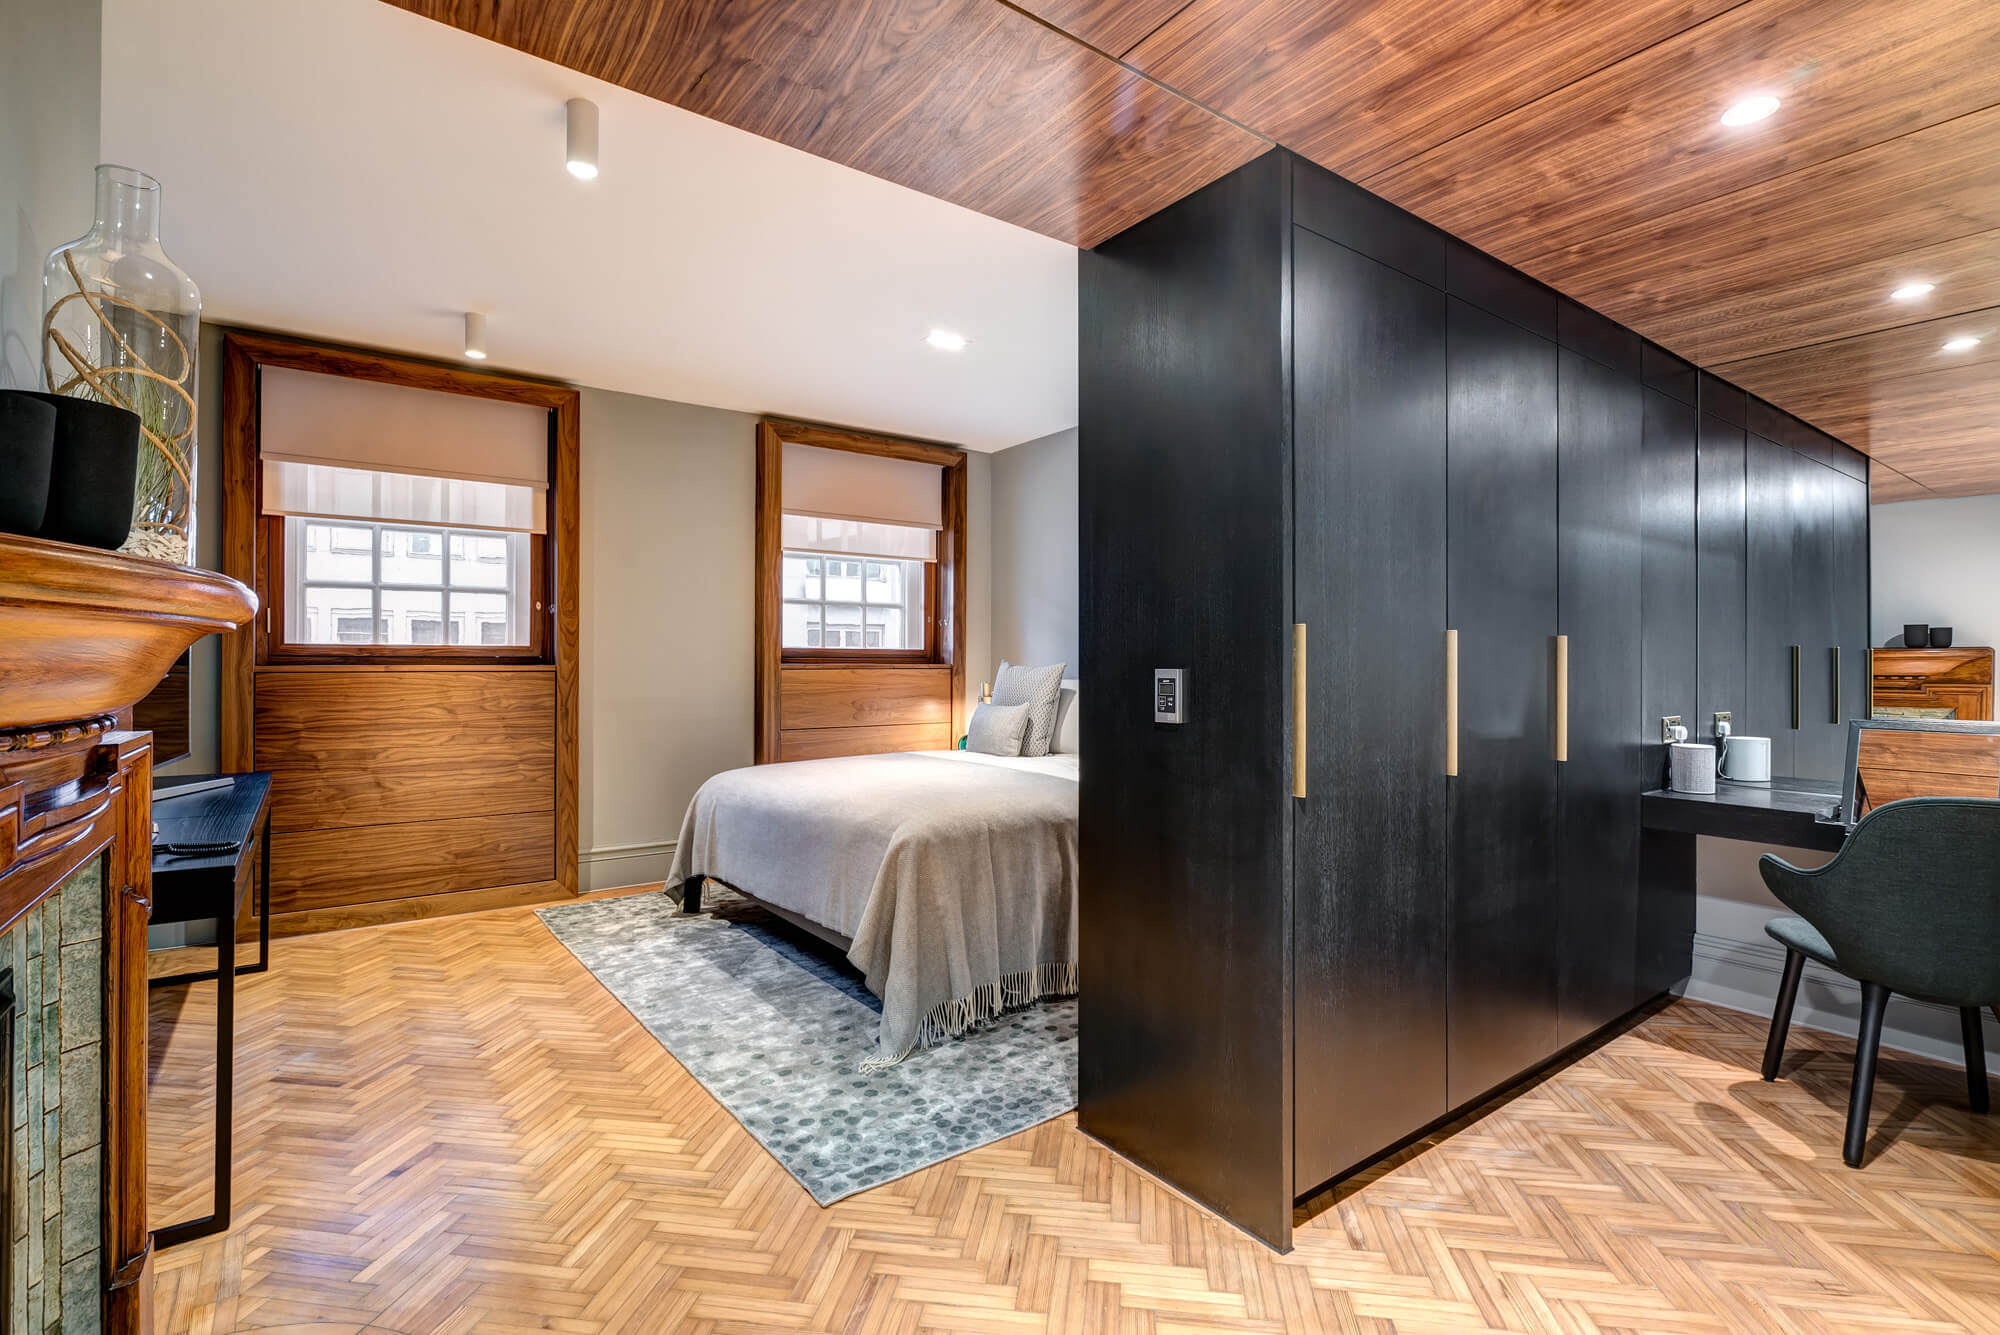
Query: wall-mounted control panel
x,y
1167,698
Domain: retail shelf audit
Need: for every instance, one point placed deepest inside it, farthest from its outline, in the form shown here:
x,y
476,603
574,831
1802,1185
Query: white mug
x,y
1747,760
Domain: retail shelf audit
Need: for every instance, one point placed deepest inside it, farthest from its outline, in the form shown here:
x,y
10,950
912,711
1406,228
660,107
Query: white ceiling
x,y
344,169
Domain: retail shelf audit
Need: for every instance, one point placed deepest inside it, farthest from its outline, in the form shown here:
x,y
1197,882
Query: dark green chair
x,y
1911,904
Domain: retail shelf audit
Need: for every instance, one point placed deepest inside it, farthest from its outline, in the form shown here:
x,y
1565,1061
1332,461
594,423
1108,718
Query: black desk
x,y
1794,813
212,887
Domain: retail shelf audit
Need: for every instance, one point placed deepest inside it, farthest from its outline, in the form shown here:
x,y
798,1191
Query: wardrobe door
x,y
1724,612
1598,430
1769,645
1369,585
1822,739
1850,605
1502,601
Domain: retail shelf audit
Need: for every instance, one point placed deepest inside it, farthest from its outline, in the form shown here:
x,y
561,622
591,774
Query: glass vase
x,y
121,326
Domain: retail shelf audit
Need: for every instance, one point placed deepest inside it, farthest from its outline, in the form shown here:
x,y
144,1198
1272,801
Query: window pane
x,y
801,577
479,618
337,554
843,626
799,626
479,561
412,558
413,616
338,616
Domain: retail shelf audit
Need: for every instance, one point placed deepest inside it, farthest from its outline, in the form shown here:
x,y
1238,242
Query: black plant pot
x,y
27,442
1916,636
92,474
1940,637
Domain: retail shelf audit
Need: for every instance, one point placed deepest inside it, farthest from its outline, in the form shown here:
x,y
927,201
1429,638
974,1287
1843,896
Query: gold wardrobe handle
x,y
1298,709
1562,698
1451,704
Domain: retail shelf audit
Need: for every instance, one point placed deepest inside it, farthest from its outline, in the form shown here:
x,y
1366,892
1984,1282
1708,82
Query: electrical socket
x,y
1667,725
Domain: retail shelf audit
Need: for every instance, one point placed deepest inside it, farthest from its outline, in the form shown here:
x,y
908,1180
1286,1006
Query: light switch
x,y
1167,698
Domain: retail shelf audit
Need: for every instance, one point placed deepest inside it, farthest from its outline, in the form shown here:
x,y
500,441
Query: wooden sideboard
x,y
1955,679
84,634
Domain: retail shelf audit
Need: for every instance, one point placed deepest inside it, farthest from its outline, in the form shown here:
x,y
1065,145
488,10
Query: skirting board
x,y
617,865
1743,975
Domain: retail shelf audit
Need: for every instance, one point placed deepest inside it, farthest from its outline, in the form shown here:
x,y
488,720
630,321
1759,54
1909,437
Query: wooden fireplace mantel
x,y
83,635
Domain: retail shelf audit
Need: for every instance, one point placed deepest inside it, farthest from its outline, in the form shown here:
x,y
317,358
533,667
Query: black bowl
x,y
92,473
1916,636
1940,637
27,443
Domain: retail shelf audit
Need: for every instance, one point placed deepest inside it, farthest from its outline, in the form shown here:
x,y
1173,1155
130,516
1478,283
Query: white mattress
x,y
1062,766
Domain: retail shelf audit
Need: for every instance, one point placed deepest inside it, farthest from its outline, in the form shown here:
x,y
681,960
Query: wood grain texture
x,y
1111,26
767,715
821,743
1895,765
379,748
417,908
966,100
450,1126
848,697
1360,87
320,869
1641,137
1957,679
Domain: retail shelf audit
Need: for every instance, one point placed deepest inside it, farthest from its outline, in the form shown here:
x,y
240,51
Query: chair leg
x,y
1874,1001
1781,1015
1975,1055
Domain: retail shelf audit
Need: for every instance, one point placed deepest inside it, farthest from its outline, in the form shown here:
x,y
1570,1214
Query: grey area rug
x,y
774,1023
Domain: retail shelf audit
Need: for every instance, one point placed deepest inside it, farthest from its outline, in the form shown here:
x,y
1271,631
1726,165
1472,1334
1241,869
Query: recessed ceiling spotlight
x,y
945,341
1911,291
582,155
1750,109
1963,343
475,336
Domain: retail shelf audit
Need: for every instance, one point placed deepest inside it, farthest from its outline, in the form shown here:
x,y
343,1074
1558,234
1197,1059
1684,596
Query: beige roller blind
x,y
864,488
340,448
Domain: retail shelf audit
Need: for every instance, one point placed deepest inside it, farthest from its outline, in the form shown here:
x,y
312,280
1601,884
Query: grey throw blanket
x,y
955,879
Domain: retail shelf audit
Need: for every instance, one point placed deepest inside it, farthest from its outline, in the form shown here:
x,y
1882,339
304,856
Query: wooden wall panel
x,y
820,743
850,697
319,869
357,747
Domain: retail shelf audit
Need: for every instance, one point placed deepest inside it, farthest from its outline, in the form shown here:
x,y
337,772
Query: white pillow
x,y
997,730
1068,737
1040,689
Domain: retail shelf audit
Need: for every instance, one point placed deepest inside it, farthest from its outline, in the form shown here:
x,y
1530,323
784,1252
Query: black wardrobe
x,y
1341,469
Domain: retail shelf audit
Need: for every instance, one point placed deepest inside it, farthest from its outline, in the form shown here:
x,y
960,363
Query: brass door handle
x,y
1836,684
1298,709
1562,698
1795,688
1451,704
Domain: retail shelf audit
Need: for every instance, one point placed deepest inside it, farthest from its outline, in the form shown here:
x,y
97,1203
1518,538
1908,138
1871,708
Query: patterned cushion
x,y
1040,689
997,730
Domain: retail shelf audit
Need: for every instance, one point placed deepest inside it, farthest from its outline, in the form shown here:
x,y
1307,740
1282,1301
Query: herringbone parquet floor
x,y
448,1126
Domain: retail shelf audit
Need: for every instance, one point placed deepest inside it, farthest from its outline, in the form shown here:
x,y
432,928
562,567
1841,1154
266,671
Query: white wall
x,y
50,58
1035,552
1937,562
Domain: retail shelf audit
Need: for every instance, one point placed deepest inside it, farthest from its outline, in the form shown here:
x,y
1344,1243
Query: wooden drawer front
x,y
355,747
316,869
819,743
814,697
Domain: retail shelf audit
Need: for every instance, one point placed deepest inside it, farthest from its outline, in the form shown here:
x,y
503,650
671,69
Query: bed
x,y
947,877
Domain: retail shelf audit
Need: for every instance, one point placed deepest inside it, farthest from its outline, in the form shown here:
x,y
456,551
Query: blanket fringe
x,y
949,1019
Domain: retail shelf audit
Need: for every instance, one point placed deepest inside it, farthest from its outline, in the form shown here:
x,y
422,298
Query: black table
x,y
1794,813
212,887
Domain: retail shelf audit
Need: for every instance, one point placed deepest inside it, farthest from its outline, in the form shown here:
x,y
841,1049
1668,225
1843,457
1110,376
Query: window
x,y
357,583
842,603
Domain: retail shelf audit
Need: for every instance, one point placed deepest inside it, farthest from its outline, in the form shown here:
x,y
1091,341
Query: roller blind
x,y
864,488
848,537
340,448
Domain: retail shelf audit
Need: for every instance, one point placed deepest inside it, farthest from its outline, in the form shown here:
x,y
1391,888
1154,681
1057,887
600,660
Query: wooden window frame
x,y
944,588
247,553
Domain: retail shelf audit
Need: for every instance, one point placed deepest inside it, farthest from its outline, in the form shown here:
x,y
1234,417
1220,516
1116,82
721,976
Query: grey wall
x,y
1034,567
668,518
50,58
1937,562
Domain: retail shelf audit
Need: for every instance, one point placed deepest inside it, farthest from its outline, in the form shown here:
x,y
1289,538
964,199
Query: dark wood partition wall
x,y
1301,406
409,782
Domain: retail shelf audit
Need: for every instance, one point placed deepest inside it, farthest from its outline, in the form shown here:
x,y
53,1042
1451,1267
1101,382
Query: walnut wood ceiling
x,y
1577,140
